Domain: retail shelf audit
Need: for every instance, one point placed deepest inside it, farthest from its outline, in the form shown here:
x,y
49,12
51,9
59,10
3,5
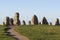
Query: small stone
x,y
23,22
29,22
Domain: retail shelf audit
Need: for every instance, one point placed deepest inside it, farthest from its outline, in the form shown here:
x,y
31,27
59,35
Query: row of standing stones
x,y
15,21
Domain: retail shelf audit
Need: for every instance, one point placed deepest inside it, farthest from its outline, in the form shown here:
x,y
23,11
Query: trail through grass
x,y
3,35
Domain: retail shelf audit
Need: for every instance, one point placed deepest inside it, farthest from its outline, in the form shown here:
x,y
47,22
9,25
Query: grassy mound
x,y
3,35
39,32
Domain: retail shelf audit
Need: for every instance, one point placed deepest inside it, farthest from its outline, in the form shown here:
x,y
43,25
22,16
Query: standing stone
x,y
6,21
50,23
29,22
44,21
34,20
3,23
16,19
56,21
11,21
23,22
39,22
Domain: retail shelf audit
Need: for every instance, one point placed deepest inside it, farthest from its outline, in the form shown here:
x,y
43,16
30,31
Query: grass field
x,y
3,35
39,32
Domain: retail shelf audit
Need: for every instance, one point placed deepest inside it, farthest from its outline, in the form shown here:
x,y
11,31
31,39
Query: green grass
x,y
39,32
3,35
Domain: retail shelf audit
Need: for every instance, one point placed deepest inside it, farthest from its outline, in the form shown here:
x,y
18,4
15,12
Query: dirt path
x,y
16,34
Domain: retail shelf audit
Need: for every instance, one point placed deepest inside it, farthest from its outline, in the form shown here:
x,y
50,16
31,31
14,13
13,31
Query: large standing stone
x,y
56,21
44,21
34,20
6,21
11,21
23,22
16,19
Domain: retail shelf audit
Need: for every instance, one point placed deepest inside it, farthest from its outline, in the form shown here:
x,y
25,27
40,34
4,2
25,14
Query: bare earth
x,y
16,34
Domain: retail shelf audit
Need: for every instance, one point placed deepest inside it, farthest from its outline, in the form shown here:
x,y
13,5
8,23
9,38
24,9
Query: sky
x,y
27,8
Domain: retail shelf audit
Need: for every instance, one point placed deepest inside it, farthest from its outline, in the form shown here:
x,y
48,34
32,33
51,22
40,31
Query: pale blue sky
x,y
27,8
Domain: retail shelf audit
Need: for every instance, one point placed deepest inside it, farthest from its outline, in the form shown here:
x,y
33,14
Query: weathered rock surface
x,y
11,21
44,21
34,20
7,21
56,21
16,19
